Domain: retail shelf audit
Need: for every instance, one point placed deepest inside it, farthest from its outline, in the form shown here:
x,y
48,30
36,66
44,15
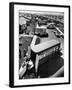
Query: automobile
x,y
57,34
51,26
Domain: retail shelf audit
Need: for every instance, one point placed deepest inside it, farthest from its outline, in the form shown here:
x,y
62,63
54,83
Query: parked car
x,y
51,26
57,34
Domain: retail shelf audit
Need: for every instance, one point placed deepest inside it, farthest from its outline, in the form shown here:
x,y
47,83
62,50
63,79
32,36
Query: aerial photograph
x,y
41,44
